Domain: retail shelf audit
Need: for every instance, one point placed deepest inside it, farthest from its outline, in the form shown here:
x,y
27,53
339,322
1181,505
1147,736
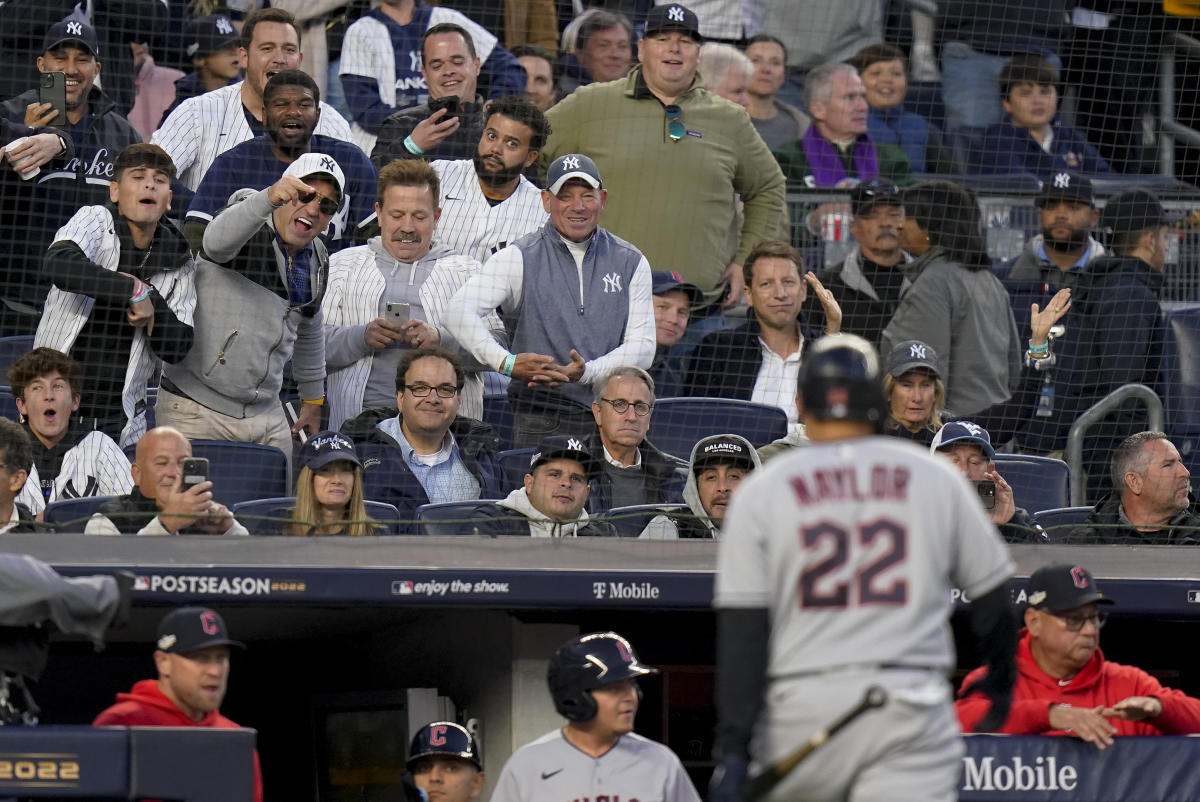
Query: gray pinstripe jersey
x,y
205,126
636,769
470,225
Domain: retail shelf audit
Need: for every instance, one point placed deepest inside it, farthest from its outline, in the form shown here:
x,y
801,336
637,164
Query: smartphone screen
x,y
53,90
449,103
195,471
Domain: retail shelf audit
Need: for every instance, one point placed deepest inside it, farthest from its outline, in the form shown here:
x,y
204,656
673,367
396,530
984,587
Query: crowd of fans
x,y
439,227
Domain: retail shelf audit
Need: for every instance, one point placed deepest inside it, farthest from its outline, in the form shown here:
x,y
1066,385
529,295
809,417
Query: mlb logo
x,y
141,583
403,587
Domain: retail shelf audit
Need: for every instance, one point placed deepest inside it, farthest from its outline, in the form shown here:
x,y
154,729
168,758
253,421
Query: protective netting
x,y
939,167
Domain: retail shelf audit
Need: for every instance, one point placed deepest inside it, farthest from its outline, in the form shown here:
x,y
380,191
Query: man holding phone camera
x,y
969,447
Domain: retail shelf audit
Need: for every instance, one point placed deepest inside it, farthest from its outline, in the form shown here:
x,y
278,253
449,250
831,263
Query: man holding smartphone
x,y
969,446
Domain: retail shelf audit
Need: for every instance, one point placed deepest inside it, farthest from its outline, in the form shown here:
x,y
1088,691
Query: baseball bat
x,y
761,785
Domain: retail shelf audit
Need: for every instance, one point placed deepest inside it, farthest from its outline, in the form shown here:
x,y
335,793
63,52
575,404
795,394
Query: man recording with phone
x,y
166,498
969,447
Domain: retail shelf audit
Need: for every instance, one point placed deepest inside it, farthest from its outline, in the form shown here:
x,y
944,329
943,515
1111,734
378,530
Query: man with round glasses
x,y
422,451
1064,685
632,471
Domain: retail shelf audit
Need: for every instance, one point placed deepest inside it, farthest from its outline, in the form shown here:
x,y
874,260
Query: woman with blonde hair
x,y
329,489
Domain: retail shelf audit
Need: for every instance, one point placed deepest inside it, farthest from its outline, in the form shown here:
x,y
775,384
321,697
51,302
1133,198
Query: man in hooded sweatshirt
x,y
192,659
718,465
551,502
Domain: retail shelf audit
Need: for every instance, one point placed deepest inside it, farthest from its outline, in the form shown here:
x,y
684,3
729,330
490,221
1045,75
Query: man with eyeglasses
x,y
675,154
632,471
1064,685
969,447
259,281
421,450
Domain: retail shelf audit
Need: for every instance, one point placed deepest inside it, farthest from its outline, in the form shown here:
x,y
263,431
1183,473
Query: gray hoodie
x,y
664,527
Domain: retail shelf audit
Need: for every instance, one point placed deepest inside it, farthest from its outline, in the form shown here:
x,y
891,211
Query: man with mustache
x,y
401,268
292,104
487,202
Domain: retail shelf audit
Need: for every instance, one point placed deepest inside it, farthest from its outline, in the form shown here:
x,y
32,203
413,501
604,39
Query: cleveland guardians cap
x,y
190,629
572,165
1068,187
960,431
722,448
326,447
204,35
559,446
321,165
71,30
673,17
911,355
1060,586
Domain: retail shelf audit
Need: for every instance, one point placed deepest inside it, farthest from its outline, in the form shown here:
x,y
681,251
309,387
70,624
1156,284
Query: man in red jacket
x,y
1064,685
192,658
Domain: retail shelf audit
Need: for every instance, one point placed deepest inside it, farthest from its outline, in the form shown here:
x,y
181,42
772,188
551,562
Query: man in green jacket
x,y
673,156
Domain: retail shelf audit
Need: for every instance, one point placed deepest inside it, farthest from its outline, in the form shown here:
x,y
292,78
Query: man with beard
x,y
1067,212
204,127
486,202
291,100
402,269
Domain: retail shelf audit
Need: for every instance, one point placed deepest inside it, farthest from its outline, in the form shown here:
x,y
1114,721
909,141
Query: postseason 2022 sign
x,y
1032,767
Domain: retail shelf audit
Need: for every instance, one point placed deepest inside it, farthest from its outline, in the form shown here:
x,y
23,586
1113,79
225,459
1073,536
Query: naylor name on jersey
x,y
887,483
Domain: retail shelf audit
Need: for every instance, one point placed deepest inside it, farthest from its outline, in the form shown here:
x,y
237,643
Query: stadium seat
x,y
498,413
449,517
1181,380
265,516
243,471
631,520
514,464
1059,522
679,423
71,514
12,349
8,407
1038,483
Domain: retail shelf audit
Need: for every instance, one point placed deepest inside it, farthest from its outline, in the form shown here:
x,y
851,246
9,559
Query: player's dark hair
x,y
1027,68
1129,456
522,110
267,15
766,37
408,173
143,154
16,450
413,354
448,27
42,362
876,53
769,249
949,214
600,20
290,78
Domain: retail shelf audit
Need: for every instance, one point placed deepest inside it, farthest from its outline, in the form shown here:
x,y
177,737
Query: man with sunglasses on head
x,y
1064,685
260,276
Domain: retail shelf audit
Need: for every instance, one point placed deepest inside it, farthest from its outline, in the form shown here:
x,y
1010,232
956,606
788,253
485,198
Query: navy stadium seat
x,y
266,516
630,521
243,471
8,407
1180,380
448,517
679,423
1038,483
73,512
1059,522
498,413
514,464
11,349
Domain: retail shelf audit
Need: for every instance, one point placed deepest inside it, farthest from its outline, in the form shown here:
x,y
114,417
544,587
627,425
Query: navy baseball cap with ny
x,y
1059,587
560,446
71,30
572,165
190,629
673,17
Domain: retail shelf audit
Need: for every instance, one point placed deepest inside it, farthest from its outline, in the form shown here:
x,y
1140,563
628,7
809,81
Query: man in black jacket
x,y
1152,501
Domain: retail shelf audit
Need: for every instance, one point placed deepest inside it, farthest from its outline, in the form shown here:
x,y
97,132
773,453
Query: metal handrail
x,y
1074,452
1169,127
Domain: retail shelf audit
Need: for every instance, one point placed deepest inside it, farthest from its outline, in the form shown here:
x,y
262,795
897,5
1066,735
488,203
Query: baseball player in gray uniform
x,y
834,576
593,680
445,763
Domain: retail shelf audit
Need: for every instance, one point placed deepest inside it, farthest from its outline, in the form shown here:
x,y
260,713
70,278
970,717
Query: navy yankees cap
x,y
204,35
559,446
190,629
1134,210
326,447
1068,187
667,280
911,355
71,30
572,165
961,431
1060,586
673,17
727,448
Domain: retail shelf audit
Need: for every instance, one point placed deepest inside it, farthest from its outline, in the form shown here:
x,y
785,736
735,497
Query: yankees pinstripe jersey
x,y
95,466
204,127
470,225
550,769
93,230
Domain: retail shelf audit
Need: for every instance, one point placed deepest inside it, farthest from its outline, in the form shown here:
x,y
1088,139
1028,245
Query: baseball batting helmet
x,y
585,663
840,379
443,738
